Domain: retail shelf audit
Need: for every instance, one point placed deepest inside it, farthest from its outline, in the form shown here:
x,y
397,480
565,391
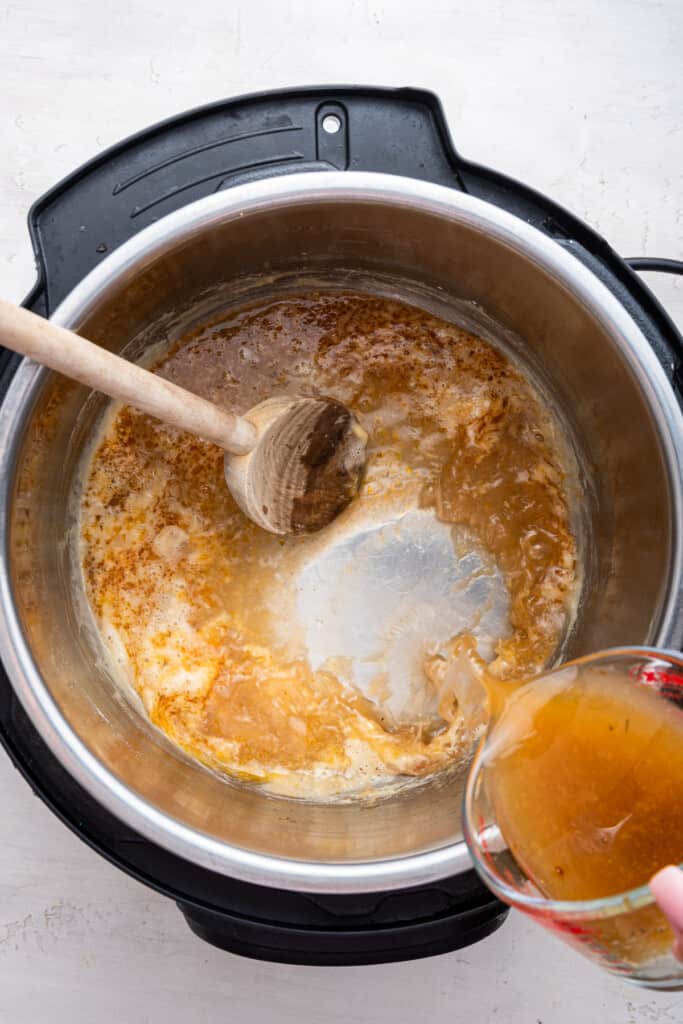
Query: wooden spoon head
x,y
305,468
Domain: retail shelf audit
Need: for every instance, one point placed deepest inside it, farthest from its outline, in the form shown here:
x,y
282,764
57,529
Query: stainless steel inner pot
x,y
603,377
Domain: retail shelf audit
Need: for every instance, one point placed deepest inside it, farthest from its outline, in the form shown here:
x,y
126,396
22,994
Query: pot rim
x,y
304,188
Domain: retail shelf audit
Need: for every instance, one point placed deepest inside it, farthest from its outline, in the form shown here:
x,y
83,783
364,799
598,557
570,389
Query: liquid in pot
x,y
198,606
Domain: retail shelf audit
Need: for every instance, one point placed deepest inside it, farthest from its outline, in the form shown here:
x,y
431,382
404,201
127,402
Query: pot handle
x,y
141,179
672,358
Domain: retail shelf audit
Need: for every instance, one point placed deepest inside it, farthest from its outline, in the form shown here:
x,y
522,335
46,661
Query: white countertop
x,y
581,100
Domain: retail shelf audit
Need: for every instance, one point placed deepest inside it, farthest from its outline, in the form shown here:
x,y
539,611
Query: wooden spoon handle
x,y
68,353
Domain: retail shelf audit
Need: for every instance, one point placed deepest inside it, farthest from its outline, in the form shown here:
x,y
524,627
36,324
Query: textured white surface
x,y
581,100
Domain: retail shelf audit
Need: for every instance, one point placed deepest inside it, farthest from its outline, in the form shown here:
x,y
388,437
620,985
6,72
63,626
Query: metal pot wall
x,y
417,239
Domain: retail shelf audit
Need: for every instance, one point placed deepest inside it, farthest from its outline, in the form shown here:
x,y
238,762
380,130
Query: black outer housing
x,y
96,209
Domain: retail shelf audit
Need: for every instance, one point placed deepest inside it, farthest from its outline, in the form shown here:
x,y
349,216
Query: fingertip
x,y
666,879
667,888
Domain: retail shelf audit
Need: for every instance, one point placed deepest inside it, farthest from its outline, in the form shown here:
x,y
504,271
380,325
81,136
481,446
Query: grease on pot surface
x,y
236,655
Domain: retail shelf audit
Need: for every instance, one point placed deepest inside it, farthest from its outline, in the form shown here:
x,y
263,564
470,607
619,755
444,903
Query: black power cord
x,y
653,263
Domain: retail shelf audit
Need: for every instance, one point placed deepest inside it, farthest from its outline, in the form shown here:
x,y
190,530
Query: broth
x,y
191,599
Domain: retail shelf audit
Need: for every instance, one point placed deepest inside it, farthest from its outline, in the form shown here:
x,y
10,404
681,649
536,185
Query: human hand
x,y
667,889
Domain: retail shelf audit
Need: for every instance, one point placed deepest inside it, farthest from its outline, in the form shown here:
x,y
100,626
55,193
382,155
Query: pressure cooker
x,y
234,199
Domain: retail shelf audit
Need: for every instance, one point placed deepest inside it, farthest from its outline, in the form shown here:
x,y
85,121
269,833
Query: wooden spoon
x,y
291,464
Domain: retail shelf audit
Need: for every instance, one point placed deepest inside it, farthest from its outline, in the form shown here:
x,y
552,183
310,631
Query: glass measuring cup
x,y
625,932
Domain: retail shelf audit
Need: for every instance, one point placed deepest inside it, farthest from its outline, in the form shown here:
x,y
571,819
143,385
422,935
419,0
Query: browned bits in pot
x,y
182,584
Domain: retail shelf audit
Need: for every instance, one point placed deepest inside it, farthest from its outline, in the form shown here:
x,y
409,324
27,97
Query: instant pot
x,y
231,200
